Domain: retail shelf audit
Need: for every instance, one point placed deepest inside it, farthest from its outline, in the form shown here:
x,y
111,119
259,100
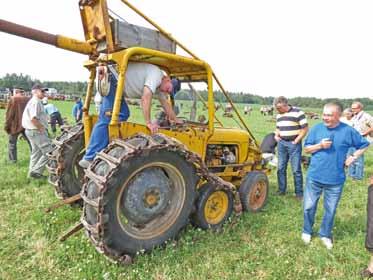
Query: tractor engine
x,y
221,155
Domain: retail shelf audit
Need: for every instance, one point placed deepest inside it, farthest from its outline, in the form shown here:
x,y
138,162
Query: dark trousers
x,y
369,233
56,118
12,145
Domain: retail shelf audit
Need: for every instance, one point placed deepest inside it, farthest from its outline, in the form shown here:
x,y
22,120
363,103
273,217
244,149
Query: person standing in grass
x,y
328,143
35,122
13,122
368,272
291,128
77,109
363,123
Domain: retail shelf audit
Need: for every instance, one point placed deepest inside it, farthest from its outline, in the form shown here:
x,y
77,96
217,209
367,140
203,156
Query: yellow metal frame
x,y
190,69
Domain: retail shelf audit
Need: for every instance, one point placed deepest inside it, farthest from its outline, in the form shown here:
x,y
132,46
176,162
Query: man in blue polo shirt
x,y
328,142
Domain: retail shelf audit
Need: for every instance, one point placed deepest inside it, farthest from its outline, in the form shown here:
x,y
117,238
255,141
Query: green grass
x,y
265,245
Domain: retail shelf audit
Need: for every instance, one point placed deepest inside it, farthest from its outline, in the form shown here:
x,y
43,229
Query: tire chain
x,y
156,142
55,164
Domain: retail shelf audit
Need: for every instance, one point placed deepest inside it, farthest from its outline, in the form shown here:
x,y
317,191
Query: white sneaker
x,y
306,238
327,242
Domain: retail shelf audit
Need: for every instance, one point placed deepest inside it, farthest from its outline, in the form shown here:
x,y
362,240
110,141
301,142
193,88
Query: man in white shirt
x,y
35,122
363,123
143,81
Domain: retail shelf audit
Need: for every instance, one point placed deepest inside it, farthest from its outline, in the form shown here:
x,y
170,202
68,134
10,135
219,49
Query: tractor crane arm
x,y
58,41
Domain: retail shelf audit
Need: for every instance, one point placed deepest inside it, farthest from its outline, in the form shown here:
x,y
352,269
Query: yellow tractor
x,y
143,189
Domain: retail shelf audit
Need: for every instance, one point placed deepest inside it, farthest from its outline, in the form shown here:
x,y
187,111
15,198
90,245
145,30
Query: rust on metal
x,y
27,32
71,231
156,142
68,200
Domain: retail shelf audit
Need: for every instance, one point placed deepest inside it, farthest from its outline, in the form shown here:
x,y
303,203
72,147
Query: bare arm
x,y
355,156
168,109
310,149
146,103
277,135
302,133
38,124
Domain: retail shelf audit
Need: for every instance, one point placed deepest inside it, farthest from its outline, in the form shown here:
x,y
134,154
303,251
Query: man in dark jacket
x,y
13,122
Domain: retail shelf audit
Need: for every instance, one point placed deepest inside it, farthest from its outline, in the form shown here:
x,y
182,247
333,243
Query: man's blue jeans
x,y
100,133
356,169
293,152
332,195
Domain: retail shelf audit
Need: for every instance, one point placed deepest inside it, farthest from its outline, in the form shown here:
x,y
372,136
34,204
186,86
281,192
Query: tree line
x,y
13,80
79,88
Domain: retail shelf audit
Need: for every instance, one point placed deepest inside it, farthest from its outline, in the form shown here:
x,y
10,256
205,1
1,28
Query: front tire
x,y
254,191
213,207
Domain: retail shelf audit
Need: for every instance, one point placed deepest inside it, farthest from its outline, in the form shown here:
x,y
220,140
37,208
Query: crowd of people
x,y
338,142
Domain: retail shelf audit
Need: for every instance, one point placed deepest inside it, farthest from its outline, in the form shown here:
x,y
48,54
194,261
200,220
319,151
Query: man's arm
x,y
355,156
9,116
38,124
310,149
146,104
301,135
277,135
168,109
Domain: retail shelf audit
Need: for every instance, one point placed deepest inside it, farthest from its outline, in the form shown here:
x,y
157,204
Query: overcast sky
x,y
321,48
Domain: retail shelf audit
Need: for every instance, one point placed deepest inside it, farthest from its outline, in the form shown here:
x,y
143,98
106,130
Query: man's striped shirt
x,y
289,124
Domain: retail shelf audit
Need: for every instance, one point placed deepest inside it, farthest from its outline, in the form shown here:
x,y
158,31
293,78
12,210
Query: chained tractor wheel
x,y
213,207
64,171
254,191
140,193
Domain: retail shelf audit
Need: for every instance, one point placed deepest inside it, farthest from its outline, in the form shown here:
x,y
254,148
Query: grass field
x,y
266,245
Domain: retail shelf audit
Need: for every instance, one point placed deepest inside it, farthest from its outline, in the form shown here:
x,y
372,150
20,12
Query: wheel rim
x,y
164,203
216,207
257,195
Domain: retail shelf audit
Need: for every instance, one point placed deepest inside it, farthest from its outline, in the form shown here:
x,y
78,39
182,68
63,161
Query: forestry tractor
x,y
144,188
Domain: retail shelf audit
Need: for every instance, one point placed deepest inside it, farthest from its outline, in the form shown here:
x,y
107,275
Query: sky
x,y
318,48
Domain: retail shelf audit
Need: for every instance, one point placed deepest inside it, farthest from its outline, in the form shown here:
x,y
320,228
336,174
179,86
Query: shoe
x,y
84,163
366,273
327,242
37,175
306,238
299,198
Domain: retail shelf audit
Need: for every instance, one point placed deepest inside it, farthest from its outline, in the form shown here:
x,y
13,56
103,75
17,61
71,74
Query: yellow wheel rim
x,y
216,207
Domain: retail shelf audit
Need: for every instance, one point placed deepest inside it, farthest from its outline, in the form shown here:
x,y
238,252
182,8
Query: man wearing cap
x,y
35,122
143,80
54,114
13,121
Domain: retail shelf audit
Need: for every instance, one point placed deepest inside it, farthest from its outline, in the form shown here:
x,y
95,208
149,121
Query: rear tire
x,y
254,191
213,207
147,199
64,171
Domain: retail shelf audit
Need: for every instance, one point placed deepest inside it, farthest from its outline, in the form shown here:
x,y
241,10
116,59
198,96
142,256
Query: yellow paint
x,y
216,207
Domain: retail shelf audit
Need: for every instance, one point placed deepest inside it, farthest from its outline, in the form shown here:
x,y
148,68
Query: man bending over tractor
x,y
142,81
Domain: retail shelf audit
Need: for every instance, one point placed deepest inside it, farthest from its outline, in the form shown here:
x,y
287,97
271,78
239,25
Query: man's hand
x,y
350,160
277,138
325,144
371,180
153,127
